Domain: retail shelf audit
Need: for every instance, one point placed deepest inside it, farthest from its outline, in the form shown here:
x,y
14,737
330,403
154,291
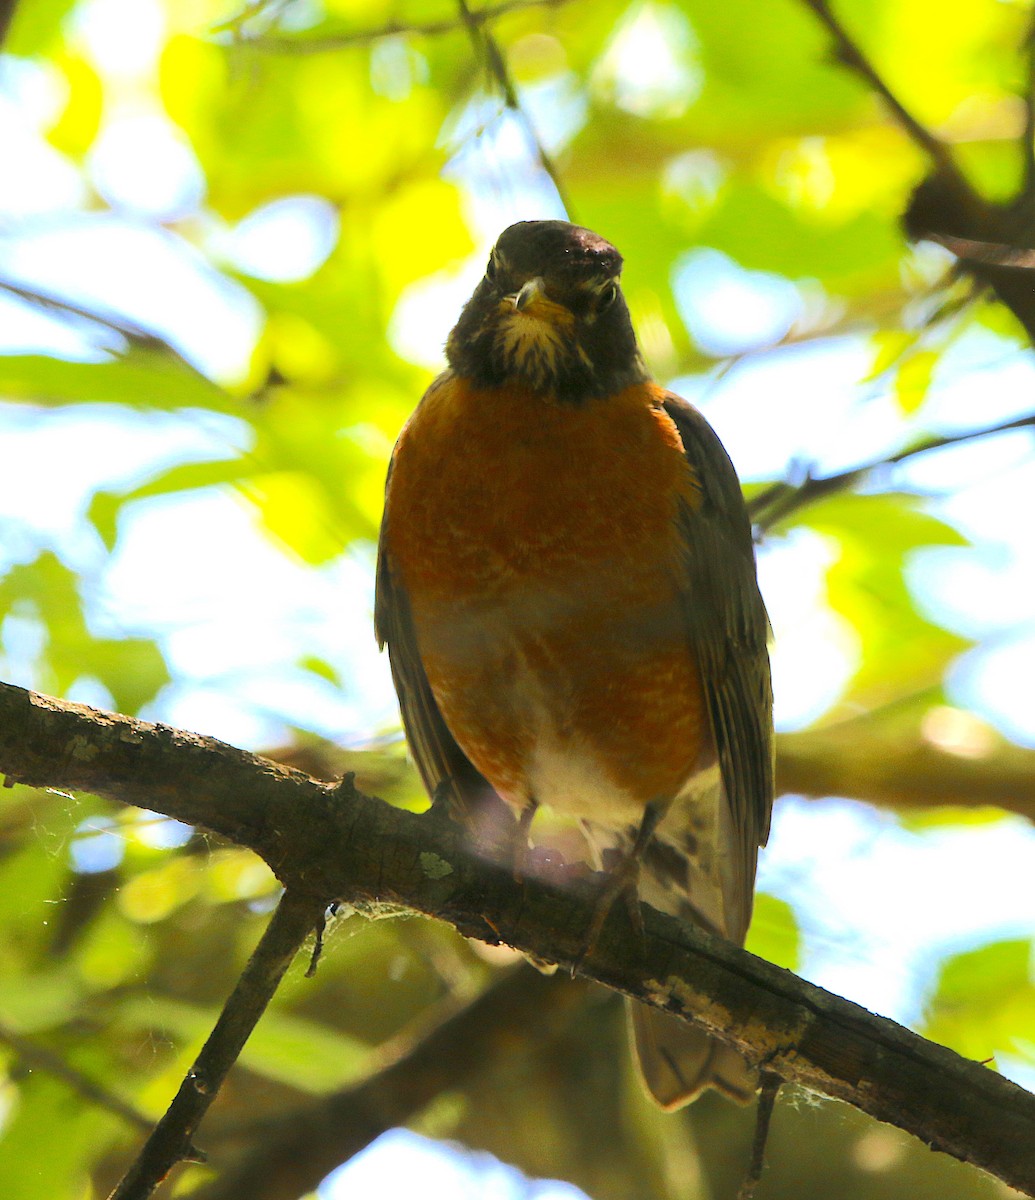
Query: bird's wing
x,y
442,764
728,630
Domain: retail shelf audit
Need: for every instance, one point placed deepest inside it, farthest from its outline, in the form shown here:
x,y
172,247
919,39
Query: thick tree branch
x,y
903,770
334,842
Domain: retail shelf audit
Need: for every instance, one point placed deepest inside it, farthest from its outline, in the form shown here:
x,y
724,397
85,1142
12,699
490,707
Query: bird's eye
x,y
607,297
492,270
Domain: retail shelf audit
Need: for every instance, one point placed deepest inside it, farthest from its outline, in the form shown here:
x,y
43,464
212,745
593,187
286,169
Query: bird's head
x,y
549,313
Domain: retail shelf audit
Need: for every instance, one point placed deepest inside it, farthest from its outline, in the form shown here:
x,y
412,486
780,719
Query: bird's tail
x,y
678,1061
689,872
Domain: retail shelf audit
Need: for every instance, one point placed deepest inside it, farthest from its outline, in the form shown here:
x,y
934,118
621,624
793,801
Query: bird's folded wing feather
x,y
728,630
440,761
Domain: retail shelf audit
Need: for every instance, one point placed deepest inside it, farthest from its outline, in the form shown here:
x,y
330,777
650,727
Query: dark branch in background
x,y
770,1086
850,54
171,1140
301,1148
944,206
874,758
328,842
781,500
39,1058
282,44
477,23
1028,101
135,335
7,8
986,254
483,40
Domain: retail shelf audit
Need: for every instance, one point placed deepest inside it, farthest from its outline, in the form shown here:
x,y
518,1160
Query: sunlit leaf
x,y
141,378
774,933
304,1054
36,27
984,1000
913,379
76,128
889,345
44,1105
904,651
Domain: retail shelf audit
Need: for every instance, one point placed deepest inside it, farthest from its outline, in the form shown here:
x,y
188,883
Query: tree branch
x,y
482,38
303,1147
135,335
360,37
850,54
170,1141
777,502
7,8
1028,102
39,1058
328,842
869,759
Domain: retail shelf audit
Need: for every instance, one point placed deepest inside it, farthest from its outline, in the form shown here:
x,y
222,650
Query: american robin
x,y
566,585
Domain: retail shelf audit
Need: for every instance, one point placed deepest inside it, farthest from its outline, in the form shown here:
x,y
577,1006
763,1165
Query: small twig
x,y
291,1155
771,1084
171,1138
317,954
39,1058
483,39
1028,100
7,8
251,10
779,501
135,334
990,254
852,56
360,37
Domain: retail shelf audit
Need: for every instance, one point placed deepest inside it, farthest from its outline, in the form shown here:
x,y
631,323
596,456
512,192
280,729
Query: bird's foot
x,y
623,880
622,883
519,847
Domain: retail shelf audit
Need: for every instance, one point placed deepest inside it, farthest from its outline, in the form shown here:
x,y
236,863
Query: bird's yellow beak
x,y
531,291
536,308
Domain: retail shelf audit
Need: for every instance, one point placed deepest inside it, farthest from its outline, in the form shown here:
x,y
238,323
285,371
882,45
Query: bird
x,y
567,587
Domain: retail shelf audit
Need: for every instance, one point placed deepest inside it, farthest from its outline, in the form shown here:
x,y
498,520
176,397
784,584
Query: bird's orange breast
x,y
540,548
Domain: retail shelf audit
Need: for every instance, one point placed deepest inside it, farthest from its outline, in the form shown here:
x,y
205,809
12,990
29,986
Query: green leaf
x,y
304,1054
322,668
875,537
774,933
140,378
889,346
984,1000
759,231
892,524
48,1146
106,507
35,28
132,669
913,380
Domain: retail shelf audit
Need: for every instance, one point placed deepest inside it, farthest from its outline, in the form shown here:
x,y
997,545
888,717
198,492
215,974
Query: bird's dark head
x,y
549,313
